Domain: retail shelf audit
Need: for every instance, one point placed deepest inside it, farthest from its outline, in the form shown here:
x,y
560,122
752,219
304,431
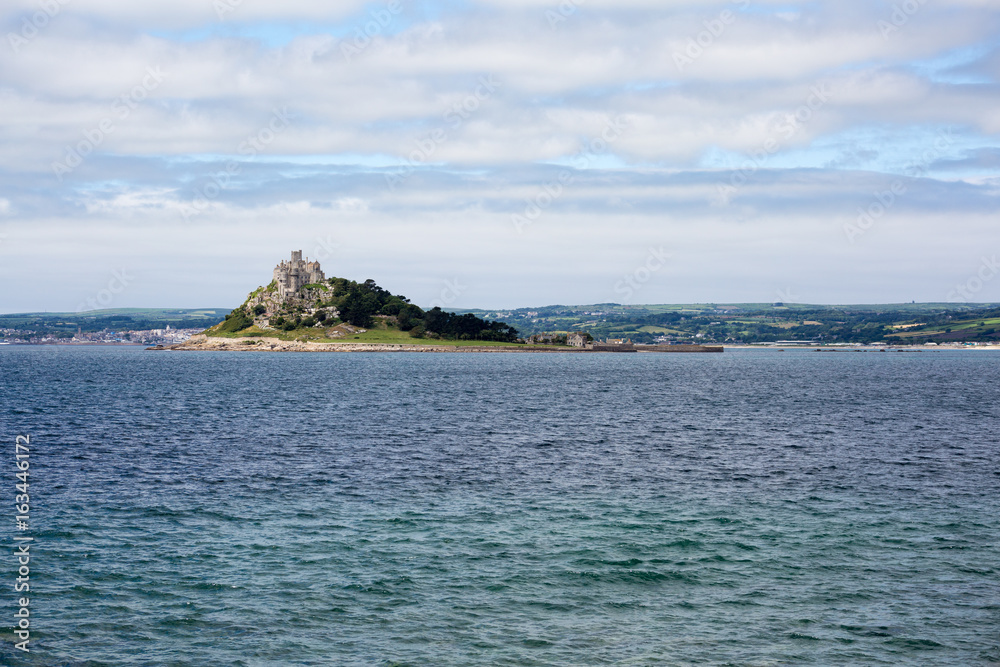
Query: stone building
x,y
292,276
577,339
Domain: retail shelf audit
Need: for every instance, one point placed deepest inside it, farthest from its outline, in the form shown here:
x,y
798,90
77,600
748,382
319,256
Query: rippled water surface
x,y
751,508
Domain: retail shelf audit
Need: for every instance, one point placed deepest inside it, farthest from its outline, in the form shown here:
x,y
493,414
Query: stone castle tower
x,y
293,275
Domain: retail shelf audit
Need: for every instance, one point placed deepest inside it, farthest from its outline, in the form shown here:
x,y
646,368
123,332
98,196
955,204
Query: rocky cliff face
x,y
304,303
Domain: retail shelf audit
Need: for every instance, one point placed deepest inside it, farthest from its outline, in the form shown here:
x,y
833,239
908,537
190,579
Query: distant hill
x,y
744,323
64,325
703,323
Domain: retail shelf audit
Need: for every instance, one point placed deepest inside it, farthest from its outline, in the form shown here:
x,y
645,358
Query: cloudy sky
x,y
500,153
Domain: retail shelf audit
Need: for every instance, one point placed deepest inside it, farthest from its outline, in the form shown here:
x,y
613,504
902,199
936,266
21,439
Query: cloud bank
x,y
845,152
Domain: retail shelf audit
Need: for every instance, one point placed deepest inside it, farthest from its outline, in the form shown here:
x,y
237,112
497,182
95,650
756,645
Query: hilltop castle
x,y
293,275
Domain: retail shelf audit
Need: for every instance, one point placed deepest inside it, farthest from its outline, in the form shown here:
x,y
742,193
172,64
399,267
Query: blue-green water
x,y
752,508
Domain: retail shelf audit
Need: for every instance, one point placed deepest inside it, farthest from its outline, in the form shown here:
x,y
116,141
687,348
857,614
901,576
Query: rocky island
x,y
301,310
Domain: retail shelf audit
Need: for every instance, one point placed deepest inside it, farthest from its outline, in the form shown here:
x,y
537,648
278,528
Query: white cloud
x,y
416,94
555,89
178,14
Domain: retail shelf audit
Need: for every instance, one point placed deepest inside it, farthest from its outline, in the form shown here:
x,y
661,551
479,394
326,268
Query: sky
x,y
500,153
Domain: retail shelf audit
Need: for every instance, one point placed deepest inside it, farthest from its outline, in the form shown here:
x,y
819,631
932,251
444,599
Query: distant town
x,y
165,336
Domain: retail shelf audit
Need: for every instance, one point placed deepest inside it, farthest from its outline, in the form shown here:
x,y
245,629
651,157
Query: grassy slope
x,y
380,334
956,327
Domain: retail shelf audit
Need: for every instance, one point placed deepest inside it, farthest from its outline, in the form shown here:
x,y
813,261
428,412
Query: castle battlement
x,y
291,276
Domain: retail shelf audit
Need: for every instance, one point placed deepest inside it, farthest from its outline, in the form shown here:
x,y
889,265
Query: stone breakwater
x,y
205,343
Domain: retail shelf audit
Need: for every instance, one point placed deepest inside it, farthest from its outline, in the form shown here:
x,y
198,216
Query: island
x,y
301,310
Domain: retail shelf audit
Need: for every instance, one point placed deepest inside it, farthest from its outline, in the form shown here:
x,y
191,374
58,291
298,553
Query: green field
x,y
955,329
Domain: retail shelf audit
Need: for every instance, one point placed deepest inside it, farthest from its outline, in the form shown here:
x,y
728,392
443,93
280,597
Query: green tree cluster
x,y
238,320
359,303
467,327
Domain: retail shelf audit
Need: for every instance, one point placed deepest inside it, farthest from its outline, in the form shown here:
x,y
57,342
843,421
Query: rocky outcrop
x,y
305,302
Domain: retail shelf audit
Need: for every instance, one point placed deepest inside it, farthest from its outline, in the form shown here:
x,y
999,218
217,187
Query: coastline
x,y
203,343
868,348
277,345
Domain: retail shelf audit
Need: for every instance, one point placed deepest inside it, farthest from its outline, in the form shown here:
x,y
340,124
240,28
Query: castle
x,y
292,276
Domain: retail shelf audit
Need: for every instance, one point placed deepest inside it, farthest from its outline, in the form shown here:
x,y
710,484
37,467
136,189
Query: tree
x,y
436,320
236,321
409,316
358,308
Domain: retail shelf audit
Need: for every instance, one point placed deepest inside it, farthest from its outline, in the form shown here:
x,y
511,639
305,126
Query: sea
x,y
754,507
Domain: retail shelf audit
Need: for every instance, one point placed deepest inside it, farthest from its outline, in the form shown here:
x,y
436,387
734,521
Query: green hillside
x,y
64,325
747,323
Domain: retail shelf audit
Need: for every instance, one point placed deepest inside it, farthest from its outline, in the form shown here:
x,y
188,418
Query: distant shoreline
x,y
99,343
865,348
375,347
203,343
237,345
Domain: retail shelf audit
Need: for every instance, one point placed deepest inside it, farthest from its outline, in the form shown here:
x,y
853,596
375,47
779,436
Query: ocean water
x,y
751,508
